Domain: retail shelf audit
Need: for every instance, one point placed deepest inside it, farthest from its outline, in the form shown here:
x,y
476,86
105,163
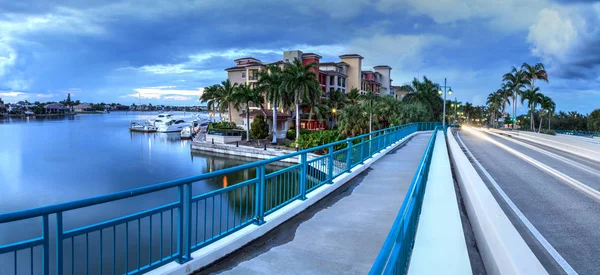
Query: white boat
x,y
162,119
173,126
142,127
187,133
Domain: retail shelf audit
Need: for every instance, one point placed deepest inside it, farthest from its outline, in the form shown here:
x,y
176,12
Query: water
x,y
54,160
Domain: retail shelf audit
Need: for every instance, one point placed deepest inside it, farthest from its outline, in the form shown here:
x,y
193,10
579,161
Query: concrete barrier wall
x,y
235,241
502,248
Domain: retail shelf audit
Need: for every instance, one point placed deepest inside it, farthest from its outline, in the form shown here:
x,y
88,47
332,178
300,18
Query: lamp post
x,y
449,91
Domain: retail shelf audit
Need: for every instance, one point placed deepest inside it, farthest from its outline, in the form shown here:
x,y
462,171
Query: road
x,y
553,198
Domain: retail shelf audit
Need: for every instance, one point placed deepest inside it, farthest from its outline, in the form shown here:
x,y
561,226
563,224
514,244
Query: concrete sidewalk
x,y
440,246
344,233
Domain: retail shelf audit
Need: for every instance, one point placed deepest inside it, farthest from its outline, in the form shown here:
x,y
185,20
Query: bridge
x,y
416,199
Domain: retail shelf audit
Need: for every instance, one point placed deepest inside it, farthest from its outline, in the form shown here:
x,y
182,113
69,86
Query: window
x,y
243,74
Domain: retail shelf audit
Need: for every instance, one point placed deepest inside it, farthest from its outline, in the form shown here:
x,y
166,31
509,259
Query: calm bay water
x,y
53,160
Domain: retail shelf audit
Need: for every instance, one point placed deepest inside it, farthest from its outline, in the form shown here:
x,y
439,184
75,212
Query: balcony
x,y
253,78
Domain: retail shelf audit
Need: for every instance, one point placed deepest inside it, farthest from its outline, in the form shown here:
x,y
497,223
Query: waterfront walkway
x,y
341,234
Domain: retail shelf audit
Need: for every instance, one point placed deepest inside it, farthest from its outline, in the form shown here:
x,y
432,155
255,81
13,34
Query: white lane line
x,y
549,248
591,192
550,154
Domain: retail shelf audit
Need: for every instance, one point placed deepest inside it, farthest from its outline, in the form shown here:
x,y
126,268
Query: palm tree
x,y
505,94
300,81
353,96
226,97
494,102
532,73
245,94
533,98
269,82
425,92
209,96
336,100
370,97
515,80
547,104
468,109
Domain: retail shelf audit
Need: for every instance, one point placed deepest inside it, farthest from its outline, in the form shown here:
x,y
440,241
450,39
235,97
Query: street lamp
x,y
449,91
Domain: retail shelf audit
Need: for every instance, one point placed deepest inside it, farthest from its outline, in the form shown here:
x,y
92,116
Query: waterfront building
x,y
55,108
82,108
344,75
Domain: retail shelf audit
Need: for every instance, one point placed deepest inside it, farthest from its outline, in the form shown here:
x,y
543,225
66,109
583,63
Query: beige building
x,y
354,71
244,73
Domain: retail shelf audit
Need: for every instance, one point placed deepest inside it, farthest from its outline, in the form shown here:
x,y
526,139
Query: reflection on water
x,y
44,161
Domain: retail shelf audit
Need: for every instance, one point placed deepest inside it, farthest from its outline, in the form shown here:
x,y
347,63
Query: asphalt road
x,y
566,217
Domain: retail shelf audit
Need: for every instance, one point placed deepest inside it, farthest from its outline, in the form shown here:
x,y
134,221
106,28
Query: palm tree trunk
x,y
247,122
540,128
514,109
297,107
229,113
549,118
532,120
274,141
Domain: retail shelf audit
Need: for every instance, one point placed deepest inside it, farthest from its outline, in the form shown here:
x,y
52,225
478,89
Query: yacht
x,y
173,126
162,119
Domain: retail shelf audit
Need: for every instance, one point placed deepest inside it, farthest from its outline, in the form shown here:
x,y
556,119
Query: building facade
x,y
344,75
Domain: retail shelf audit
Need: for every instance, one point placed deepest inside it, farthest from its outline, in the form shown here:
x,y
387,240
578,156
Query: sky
x,y
167,51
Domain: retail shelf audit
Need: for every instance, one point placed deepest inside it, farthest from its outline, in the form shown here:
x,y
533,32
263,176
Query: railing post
x,y
330,164
45,246
188,221
362,150
260,195
59,243
303,172
180,225
349,156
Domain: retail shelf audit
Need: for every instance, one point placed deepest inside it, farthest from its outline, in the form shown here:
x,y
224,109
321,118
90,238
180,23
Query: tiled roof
x,y
54,106
351,55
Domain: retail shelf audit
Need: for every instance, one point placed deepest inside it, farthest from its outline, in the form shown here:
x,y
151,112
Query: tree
x,y
494,102
260,128
300,81
547,104
370,97
425,92
336,100
68,102
515,80
226,97
533,98
209,97
468,109
269,82
593,122
353,96
245,94
532,73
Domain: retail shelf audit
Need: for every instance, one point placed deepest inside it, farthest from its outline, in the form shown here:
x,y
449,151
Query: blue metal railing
x,y
145,240
578,133
394,255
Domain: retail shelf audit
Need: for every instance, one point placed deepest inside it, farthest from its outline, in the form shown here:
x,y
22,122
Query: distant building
x,y
55,108
82,108
344,75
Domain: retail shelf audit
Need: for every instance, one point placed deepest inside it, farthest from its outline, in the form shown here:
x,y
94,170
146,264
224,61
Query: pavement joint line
x,y
550,154
567,268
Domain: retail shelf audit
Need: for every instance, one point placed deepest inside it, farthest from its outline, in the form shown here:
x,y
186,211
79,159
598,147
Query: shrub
x,y
259,129
316,138
593,122
548,132
291,133
222,125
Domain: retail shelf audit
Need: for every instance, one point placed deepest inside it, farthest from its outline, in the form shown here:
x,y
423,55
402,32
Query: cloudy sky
x,y
167,51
